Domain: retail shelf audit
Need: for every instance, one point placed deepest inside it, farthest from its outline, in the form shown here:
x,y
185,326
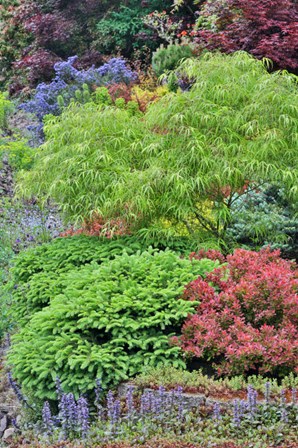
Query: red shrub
x,y
99,227
120,90
264,28
248,319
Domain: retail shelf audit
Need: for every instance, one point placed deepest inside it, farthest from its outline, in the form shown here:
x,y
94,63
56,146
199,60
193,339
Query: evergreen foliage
x,y
165,59
39,272
235,129
266,217
108,322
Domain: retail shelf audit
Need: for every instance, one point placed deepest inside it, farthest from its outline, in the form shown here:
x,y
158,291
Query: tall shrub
x,y
191,151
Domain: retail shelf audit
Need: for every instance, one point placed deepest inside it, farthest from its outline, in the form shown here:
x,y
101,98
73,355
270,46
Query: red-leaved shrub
x,y
100,227
247,320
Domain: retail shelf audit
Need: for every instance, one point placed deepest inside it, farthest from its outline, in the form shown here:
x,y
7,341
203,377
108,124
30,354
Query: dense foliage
x,y
106,321
266,217
36,34
247,320
71,84
263,28
199,149
165,59
38,273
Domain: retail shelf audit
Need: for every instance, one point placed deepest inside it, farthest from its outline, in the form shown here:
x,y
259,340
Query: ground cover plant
x,y
223,388
200,149
136,419
247,320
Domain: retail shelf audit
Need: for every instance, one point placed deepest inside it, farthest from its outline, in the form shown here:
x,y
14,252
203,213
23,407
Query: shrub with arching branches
x,y
247,319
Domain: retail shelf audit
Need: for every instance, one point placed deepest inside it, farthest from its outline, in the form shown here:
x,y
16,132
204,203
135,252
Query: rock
x,y
8,433
18,420
3,424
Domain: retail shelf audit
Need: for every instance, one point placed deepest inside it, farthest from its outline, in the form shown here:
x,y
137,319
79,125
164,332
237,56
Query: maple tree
x,y
264,28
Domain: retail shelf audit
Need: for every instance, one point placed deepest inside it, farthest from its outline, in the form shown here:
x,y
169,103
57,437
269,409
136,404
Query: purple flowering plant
x,y
69,83
139,416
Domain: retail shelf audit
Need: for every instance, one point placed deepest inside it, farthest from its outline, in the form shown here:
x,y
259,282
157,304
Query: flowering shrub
x,y
248,316
51,98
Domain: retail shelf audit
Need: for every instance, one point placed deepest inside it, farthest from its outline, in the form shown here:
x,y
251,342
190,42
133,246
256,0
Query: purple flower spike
x,y
72,412
236,413
216,412
116,412
252,400
267,392
110,405
47,418
83,416
129,402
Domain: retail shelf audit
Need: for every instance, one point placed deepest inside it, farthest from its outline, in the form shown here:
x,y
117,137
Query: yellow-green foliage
x,y
103,320
5,107
238,124
20,155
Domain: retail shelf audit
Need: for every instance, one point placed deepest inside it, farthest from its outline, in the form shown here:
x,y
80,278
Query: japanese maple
x,y
264,28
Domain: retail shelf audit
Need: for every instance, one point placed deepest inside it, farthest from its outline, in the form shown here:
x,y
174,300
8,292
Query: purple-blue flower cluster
x,y
68,80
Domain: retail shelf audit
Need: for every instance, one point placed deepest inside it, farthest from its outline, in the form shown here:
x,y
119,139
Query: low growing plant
x,y
106,321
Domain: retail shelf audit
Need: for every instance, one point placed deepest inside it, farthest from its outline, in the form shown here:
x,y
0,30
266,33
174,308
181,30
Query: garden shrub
x,y
166,59
266,217
108,321
210,145
19,154
39,272
5,107
71,83
247,320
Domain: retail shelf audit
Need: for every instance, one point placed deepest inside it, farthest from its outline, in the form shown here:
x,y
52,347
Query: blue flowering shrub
x,y
104,319
70,84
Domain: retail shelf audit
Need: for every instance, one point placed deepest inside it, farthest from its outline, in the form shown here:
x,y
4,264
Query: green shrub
x,y
166,59
266,217
108,321
39,273
5,108
235,128
18,152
